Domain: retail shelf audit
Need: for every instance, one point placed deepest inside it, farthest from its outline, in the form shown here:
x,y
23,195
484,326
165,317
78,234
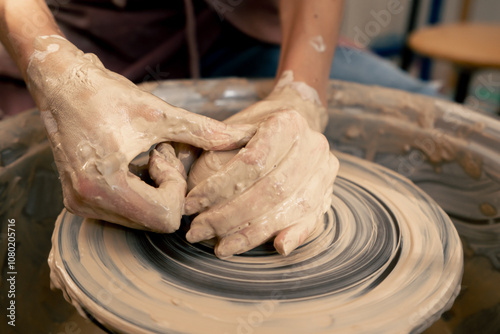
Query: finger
x,y
280,185
158,209
199,232
260,232
305,207
244,240
271,143
161,160
124,199
273,223
168,123
168,173
293,236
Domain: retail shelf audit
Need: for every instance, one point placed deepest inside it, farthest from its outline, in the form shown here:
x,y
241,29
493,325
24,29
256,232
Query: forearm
x,y
310,30
20,22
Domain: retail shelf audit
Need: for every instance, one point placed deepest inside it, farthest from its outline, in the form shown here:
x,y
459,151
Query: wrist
x,y
21,21
303,98
51,66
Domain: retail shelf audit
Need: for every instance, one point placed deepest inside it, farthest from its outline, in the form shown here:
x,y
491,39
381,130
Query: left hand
x,y
97,121
279,185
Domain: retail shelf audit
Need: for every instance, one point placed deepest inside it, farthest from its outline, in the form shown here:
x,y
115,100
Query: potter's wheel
x,y
387,259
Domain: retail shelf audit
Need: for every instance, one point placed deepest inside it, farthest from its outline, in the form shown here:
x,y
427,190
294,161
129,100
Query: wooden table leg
x,y
462,88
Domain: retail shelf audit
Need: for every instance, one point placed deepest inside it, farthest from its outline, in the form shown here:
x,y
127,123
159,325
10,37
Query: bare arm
x,y
310,30
21,21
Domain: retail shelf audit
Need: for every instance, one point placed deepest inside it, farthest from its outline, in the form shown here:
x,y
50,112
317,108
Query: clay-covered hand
x,y
97,122
279,185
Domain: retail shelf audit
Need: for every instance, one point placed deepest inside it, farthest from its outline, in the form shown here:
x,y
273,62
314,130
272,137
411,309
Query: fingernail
x,y
286,246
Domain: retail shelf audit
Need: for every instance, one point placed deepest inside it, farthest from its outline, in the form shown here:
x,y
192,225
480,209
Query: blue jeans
x,y
261,61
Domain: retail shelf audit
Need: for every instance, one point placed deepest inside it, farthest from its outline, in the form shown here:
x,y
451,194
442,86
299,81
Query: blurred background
x,y
365,24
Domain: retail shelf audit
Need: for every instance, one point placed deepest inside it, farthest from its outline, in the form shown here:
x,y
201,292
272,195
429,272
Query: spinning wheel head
x,y
386,259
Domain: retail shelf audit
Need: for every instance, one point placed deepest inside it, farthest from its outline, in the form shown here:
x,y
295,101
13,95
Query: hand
x,y
97,122
279,185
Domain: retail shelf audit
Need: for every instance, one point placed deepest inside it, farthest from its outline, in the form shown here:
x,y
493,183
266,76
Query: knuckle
x,y
83,191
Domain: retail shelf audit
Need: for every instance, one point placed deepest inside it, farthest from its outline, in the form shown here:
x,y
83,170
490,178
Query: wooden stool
x,y
470,46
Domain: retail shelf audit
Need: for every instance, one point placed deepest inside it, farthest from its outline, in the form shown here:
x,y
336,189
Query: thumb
x,y
178,125
169,175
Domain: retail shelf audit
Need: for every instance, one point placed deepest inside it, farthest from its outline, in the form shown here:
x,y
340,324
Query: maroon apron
x,y
142,40
146,40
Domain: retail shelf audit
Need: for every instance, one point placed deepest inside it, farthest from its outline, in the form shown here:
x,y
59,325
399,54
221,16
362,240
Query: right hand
x,y
279,186
97,122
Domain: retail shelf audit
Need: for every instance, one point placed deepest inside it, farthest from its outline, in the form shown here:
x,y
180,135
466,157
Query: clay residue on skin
x,y
318,43
40,55
308,93
421,270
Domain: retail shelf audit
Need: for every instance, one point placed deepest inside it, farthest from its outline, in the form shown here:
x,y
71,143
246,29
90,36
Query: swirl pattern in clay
x,y
386,260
